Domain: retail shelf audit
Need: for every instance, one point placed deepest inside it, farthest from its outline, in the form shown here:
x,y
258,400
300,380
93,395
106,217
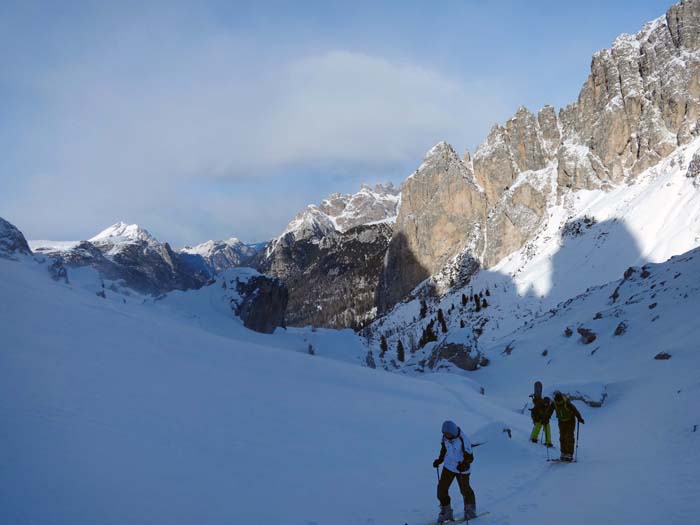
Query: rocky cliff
x,y
262,304
640,102
442,212
330,257
332,281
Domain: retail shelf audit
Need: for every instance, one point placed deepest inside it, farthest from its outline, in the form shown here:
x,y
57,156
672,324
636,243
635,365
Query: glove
x,y
580,420
463,466
436,463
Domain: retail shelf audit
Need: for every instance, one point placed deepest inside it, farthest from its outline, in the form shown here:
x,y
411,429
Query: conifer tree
x,y
423,309
400,354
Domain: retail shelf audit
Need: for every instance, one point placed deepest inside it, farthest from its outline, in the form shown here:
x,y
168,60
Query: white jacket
x,y
454,453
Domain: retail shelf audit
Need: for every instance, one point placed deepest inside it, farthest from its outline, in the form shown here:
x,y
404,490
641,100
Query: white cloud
x,y
126,131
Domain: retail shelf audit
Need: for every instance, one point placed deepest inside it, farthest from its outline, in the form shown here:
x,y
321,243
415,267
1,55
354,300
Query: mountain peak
x,y
121,232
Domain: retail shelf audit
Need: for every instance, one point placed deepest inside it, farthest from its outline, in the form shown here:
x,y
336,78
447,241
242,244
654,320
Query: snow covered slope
x,y
123,413
169,411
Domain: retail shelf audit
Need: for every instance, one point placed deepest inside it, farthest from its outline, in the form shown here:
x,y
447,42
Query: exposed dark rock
x,y
578,227
264,303
332,282
12,241
587,336
458,354
58,272
595,402
694,169
568,332
662,356
621,328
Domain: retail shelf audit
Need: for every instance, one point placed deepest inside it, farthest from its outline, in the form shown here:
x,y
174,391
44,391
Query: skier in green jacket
x,y
567,414
541,412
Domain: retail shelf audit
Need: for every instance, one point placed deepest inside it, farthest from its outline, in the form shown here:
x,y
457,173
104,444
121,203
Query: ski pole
x,y
578,426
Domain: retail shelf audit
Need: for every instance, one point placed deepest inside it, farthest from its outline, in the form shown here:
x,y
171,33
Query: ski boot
x,y
445,514
534,440
469,511
548,445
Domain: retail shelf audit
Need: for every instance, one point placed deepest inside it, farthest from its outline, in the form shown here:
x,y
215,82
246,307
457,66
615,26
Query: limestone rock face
x,y
549,128
579,169
442,212
366,206
640,101
526,143
493,164
515,220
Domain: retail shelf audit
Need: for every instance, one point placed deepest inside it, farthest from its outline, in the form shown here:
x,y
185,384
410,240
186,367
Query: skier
x,y
456,452
566,412
541,412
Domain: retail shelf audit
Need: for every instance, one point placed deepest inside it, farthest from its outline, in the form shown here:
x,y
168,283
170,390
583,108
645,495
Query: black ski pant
x,y
443,489
566,436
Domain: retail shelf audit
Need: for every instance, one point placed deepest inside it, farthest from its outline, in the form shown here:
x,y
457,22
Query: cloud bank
x,y
189,137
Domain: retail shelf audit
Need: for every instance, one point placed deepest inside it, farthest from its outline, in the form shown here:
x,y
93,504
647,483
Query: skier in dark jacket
x,y
567,414
456,453
541,412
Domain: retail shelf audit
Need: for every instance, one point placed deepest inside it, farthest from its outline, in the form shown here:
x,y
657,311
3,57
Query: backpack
x,y
564,413
468,457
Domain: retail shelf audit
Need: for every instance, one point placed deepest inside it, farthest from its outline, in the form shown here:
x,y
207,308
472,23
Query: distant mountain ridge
x,y
455,216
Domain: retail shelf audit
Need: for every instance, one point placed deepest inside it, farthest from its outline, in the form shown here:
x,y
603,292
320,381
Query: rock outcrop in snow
x,y
263,303
12,241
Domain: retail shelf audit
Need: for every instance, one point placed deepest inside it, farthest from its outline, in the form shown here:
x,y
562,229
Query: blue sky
x,y
209,119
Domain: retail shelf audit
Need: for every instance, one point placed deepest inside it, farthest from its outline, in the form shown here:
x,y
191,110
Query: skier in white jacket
x,y
456,453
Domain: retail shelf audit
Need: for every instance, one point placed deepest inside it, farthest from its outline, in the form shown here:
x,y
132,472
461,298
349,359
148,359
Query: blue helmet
x,y
450,427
